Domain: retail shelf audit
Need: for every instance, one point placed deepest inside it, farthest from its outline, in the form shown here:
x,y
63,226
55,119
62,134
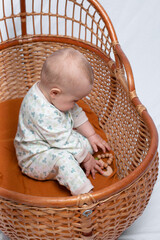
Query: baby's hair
x,y
62,61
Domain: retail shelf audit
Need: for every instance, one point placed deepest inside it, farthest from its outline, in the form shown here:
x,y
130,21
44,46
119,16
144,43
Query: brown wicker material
x,y
84,25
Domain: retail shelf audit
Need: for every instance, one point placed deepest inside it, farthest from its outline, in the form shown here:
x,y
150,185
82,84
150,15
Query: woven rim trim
x,y
140,108
133,94
114,43
85,199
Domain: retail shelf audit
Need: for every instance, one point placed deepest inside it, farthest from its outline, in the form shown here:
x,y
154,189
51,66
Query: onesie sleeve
x,y
78,115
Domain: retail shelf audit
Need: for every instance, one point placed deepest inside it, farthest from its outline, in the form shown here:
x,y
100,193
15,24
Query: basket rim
x,y
122,184
60,39
104,193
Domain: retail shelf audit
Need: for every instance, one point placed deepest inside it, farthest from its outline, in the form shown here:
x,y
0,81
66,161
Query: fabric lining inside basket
x,y
11,177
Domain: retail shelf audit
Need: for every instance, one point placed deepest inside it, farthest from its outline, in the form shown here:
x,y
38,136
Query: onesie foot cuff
x,y
85,188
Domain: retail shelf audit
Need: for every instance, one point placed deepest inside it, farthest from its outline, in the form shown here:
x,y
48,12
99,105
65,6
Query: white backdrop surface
x,y
137,24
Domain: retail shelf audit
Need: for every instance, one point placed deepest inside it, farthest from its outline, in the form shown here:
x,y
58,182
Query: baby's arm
x,y
84,127
87,130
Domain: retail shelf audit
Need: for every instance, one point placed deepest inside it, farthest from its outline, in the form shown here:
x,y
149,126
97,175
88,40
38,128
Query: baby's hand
x,y
91,165
96,141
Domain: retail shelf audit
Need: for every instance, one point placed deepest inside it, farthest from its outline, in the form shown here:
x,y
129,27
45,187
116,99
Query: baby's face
x,y
67,98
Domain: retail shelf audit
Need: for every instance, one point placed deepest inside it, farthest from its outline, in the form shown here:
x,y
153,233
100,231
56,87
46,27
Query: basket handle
x,y
125,62
117,49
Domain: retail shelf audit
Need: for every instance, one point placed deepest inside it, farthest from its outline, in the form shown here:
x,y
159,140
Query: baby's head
x,y
66,77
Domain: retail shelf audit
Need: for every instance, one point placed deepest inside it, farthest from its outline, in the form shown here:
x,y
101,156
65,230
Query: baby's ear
x,y
54,92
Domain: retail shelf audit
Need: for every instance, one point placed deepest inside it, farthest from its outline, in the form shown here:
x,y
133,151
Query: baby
x,y
54,137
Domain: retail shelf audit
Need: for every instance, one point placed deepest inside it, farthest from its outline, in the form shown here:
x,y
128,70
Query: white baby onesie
x,y
47,146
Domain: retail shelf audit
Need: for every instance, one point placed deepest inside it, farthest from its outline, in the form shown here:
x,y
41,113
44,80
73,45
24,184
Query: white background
x,y
137,24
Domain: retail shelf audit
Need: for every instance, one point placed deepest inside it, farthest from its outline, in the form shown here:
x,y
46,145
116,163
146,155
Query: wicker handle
x,y
125,62
117,49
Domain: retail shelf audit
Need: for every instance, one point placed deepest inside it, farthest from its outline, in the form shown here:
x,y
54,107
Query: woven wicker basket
x,y
27,37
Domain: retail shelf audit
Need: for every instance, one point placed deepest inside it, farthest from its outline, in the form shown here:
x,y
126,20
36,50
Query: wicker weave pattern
x,y
27,60
27,37
131,136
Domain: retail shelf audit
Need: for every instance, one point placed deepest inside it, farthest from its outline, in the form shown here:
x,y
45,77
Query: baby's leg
x,y
71,175
41,166
62,166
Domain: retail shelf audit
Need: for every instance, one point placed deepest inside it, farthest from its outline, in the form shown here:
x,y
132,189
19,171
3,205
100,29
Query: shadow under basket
x,y
131,133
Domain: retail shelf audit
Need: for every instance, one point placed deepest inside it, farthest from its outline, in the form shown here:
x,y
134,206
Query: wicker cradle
x,y
26,38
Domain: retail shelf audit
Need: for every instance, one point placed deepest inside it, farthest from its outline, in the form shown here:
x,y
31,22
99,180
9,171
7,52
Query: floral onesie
x,y
47,146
